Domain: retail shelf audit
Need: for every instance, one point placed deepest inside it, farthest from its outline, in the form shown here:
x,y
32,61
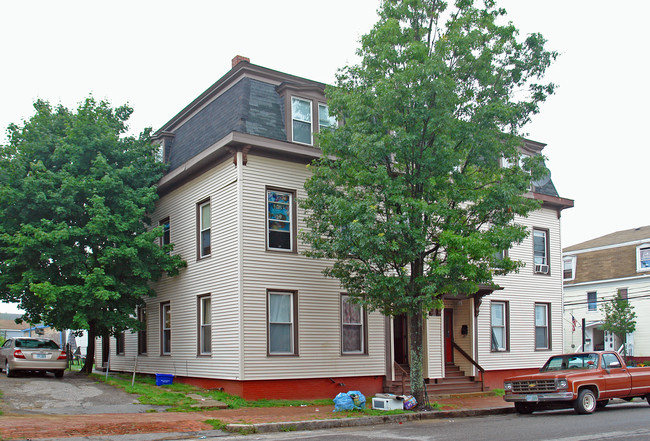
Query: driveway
x,y
75,393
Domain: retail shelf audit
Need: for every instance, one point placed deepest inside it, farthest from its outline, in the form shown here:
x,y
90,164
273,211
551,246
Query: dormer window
x,y
643,257
301,119
325,121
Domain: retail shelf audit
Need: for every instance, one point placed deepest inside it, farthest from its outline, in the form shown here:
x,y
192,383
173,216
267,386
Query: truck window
x,y
610,361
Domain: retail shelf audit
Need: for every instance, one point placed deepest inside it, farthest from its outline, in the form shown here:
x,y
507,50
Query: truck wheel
x,y
524,408
586,402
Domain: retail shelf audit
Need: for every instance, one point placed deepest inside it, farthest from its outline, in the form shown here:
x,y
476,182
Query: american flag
x,y
574,322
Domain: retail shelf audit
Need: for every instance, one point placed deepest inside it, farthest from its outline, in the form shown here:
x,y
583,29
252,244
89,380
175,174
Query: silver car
x,y
32,354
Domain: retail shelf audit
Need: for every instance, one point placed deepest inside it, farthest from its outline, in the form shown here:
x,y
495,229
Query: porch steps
x,y
454,382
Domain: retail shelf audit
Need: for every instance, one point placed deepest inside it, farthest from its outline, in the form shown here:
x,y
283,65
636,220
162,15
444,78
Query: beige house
x,y
598,270
253,315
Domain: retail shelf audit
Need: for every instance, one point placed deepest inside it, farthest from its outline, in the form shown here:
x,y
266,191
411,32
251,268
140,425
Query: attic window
x,y
569,272
643,257
301,120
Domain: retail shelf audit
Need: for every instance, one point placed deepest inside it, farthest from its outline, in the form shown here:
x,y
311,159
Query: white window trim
x,y
573,260
638,257
588,302
311,123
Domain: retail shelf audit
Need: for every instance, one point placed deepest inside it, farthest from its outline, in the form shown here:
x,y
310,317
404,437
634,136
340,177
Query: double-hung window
x,y
301,120
166,328
499,325
592,301
542,335
282,323
569,268
352,327
540,251
325,121
204,223
205,325
142,333
280,220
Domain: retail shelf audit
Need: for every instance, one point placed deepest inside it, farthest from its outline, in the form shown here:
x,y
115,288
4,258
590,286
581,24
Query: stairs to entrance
x,y
454,382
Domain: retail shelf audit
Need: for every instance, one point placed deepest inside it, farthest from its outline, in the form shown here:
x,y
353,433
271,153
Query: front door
x,y
449,335
400,339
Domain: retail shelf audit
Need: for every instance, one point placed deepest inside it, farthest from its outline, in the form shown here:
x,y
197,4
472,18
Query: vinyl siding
x,y
522,290
319,323
216,275
575,298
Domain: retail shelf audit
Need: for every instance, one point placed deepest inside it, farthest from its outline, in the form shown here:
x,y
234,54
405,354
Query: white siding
x,y
575,298
522,290
319,323
216,275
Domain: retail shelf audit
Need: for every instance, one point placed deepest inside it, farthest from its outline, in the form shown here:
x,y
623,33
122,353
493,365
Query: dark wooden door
x,y
400,339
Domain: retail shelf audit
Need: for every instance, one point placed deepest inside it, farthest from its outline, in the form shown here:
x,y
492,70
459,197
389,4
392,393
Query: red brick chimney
x,y
238,59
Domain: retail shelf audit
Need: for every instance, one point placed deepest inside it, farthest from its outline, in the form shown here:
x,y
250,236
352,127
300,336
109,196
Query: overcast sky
x,y
160,55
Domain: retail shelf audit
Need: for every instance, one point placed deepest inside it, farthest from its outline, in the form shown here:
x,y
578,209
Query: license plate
x,y
40,356
531,397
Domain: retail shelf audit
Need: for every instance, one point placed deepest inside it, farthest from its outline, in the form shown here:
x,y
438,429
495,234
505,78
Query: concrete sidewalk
x,y
161,426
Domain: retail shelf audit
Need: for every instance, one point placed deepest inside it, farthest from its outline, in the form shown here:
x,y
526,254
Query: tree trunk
x,y
417,357
90,352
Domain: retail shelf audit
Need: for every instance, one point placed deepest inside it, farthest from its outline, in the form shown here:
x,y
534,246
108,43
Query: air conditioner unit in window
x,y
543,269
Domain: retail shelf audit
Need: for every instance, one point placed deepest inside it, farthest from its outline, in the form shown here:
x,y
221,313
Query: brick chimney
x,y
238,59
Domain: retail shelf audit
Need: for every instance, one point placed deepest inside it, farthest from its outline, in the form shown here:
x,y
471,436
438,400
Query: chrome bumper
x,y
538,398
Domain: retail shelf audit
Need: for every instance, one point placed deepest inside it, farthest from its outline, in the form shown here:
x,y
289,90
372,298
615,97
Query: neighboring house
x,y
8,326
597,271
252,315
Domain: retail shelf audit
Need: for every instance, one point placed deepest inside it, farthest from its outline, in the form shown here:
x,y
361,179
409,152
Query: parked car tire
x,y
586,402
525,408
58,374
602,404
8,371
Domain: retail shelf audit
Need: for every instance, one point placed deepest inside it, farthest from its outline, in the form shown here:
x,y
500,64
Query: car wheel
x,y
586,402
525,408
59,373
602,404
8,371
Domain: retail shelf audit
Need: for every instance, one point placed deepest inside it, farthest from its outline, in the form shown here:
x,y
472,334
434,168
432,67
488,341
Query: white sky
x,y
160,55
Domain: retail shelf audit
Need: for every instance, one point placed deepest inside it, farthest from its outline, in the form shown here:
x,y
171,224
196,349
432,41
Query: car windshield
x,y
571,361
35,344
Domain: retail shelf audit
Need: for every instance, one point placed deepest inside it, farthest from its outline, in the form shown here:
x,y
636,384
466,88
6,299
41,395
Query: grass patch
x,y
174,395
498,392
216,424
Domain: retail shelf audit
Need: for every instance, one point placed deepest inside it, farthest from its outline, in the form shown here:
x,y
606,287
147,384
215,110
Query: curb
x,y
364,421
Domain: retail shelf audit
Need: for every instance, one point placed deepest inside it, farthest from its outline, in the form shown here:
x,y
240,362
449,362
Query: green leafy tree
x,y
75,250
620,319
411,200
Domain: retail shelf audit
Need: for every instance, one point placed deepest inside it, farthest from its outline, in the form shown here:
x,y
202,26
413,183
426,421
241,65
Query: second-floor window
x,y
592,301
280,220
325,121
204,229
301,120
166,238
540,251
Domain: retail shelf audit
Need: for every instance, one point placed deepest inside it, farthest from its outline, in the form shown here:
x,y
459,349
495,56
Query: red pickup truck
x,y
583,381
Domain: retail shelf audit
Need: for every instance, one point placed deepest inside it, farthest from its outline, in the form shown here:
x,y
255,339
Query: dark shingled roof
x,y
249,106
